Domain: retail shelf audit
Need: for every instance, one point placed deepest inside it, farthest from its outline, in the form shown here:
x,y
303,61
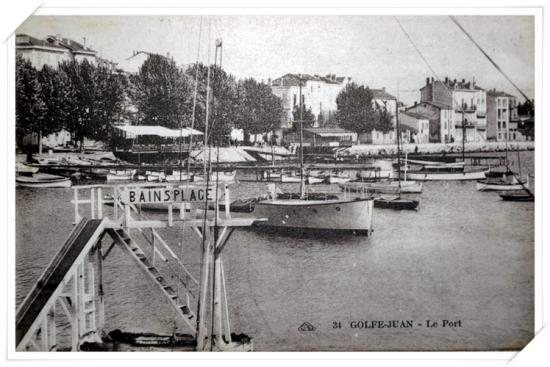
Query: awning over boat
x,y
162,131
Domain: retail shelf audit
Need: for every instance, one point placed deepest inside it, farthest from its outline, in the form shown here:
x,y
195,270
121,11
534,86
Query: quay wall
x,y
436,148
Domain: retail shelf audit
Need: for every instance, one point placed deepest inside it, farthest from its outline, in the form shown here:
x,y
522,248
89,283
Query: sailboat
x,y
396,202
317,211
505,182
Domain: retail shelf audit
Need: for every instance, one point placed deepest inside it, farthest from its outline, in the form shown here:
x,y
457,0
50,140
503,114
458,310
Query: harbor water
x,y
466,257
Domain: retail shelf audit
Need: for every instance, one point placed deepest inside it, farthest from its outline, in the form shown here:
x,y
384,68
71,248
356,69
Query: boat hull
x,y
482,185
52,182
337,179
396,203
332,215
149,156
447,176
407,187
517,196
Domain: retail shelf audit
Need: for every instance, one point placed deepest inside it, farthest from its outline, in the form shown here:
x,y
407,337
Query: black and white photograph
x,y
275,182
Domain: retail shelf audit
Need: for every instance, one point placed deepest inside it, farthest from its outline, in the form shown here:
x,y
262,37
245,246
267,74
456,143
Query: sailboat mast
x,y
302,187
398,133
463,134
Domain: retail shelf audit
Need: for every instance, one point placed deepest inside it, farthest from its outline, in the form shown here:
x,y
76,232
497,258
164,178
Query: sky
x,y
372,50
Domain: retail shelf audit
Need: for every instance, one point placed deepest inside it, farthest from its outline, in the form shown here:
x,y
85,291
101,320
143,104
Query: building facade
x,y
52,50
318,94
417,124
468,103
440,120
502,117
382,99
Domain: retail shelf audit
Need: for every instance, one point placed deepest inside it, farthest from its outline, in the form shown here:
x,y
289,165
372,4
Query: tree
x,y
162,92
224,102
260,110
29,106
308,119
355,110
527,108
98,95
383,119
57,97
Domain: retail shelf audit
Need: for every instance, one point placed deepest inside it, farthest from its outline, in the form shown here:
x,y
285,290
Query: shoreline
x,y
436,148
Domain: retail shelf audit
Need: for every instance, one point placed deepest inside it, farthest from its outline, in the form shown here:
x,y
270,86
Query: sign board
x,y
169,195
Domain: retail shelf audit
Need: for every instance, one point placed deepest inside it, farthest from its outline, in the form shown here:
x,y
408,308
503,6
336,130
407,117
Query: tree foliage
x,y
383,119
308,119
355,109
57,97
29,106
526,108
260,110
162,92
97,97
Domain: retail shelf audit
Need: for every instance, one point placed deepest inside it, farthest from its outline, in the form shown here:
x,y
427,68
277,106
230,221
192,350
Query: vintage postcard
x,y
275,182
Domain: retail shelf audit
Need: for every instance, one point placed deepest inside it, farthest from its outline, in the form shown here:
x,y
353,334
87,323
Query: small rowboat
x,y
43,180
121,175
314,180
519,195
396,203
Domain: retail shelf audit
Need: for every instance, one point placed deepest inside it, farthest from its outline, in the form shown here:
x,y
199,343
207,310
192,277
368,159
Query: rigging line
x,y
194,105
461,107
455,21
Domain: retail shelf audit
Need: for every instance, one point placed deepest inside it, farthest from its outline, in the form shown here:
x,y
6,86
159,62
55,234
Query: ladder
x,y
184,310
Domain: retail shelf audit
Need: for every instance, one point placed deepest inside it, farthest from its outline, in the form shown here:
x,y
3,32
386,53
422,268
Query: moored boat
x,y
23,169
499,185
348,215
43,180
519,195
444,175
396,203
389,187
121,175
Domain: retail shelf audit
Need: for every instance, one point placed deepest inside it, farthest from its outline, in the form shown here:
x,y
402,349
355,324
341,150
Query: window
x,y
294,104
499,124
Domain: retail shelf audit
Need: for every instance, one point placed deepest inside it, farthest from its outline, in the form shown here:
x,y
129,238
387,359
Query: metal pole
x,y
463,134
302,187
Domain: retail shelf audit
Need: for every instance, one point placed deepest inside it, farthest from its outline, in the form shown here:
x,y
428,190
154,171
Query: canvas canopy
x,y
157,131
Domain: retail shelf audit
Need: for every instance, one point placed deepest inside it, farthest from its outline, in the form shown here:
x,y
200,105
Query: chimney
x,y
384,89
415,103
446,79
269,81
463,81
432,79
427,81
84,42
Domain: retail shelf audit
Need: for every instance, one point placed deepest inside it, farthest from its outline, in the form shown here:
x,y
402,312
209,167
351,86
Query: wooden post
x,y
227,203
205,272
92,203
218,300
100,293
99,203
74,313
51,329
227,328
76,214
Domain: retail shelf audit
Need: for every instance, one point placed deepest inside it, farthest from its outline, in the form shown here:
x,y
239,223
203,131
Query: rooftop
x,y
454,84
496,93
416,115
53,41
293,79
381,94
26,40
